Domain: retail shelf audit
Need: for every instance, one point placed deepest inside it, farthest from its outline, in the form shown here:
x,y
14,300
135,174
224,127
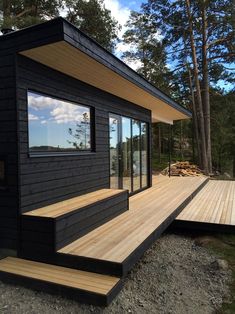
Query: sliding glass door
x,y
128,153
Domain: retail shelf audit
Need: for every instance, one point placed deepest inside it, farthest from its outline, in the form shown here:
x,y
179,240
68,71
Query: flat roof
x,y
61,46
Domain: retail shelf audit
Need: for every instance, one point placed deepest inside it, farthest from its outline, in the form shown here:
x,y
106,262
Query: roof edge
x,y
118,65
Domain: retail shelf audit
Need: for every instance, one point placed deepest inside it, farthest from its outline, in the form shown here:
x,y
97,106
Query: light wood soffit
x,y
69,60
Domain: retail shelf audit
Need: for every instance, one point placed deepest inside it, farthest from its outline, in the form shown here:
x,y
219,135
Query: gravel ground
x,y
174,276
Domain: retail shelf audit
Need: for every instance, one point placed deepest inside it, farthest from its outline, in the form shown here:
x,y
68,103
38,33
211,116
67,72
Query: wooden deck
x,y
124,239
110,249
212,209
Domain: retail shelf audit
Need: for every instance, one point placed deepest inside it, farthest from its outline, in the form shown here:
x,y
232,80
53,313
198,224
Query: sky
x,y
120,10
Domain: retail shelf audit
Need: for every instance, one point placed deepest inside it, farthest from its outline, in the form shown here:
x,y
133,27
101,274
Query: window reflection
x,y
144,147
136,154
56,125
126,153
114,152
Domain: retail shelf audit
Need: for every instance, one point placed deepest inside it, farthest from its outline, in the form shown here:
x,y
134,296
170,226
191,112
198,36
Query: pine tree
x,y
199,36
95,20
146,48
22,13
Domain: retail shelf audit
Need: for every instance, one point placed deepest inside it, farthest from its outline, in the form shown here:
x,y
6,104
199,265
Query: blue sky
x,y
132,5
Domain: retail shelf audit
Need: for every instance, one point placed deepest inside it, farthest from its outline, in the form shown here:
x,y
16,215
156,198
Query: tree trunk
x,y
205,87
195,118
159,144
181,140
198,91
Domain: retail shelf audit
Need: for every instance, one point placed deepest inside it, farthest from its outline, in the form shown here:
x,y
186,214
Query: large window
x,y
57,126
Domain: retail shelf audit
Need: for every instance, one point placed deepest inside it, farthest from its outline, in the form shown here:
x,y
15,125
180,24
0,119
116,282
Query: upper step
x,y
63,208
51,227
84,286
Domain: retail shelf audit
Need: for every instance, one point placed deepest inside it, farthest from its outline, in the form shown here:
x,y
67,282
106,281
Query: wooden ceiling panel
x,y
69,60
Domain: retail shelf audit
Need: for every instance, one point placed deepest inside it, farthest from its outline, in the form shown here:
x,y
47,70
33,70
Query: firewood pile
x,y
183,169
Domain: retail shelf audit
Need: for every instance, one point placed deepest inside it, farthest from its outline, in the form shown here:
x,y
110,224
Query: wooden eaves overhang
x,y
61,46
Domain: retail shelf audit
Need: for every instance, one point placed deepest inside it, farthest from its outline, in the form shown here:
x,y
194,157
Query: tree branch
x,y
25,11
222,56
219,41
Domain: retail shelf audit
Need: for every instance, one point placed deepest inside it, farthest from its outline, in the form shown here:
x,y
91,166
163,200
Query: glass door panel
x,y
128,146
114,135
126,154
136,166
144,154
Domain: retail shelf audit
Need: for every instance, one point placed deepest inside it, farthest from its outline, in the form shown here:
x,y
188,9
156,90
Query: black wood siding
x,y
44,180
8,151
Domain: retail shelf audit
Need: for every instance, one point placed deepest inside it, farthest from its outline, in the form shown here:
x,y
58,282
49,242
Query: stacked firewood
x,y
183,169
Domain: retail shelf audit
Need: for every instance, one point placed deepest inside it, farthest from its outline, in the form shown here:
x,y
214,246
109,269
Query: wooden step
x,y
117,245
49,228
85,287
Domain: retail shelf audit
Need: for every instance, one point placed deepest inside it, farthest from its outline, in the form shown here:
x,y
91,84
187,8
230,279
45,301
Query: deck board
x,y
116,240
60,275
214,205
81,285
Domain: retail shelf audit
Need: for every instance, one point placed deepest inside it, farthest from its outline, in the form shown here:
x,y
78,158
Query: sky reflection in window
x,y
57,125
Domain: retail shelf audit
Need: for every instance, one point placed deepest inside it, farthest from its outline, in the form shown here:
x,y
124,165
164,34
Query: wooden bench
x,y
49,228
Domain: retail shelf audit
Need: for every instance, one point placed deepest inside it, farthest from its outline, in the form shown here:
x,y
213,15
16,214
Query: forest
x,y
185,48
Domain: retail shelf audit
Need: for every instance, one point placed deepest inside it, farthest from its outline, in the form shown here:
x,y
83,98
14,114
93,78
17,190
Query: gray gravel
x,y
174,276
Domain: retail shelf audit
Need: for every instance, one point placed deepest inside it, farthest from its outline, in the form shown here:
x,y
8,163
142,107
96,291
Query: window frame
x,y
89,151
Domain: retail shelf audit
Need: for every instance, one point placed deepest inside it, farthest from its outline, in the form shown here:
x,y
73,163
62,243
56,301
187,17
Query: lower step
x,y
85,287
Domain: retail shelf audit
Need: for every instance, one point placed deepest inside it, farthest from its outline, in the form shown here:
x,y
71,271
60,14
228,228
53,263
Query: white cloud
x,y
41,102
32,117
54,110
119,12
135,65
65,113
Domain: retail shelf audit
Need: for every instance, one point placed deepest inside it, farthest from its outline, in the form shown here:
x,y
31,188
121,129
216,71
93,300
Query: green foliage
x,y
19,14
147,48
90,16
223,130
171,19
180,139
95,20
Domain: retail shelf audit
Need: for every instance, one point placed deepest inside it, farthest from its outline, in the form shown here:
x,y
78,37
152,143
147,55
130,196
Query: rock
x,y
220,264
203,241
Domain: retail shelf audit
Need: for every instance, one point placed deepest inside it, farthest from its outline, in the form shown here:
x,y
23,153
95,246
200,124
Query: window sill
x,y
57,154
